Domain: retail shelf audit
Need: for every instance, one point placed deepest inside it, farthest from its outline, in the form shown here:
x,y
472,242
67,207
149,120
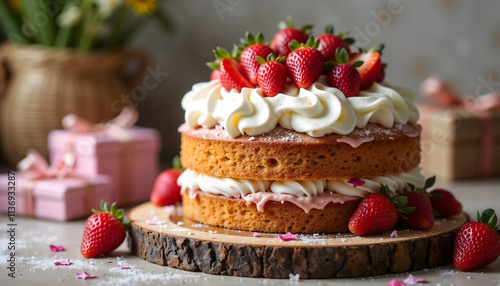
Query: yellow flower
x,y
143,7
15,4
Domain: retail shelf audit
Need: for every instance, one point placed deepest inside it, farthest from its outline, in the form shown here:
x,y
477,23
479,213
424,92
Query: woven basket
x,y
39,86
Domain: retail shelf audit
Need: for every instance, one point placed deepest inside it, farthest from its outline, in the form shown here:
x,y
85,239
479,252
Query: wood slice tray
x,y
185,244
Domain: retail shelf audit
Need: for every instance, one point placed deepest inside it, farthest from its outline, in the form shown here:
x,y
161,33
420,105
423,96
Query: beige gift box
x,y
458,144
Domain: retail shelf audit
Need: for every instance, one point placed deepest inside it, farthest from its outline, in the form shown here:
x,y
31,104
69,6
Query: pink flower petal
x,y
288,236
256,234
64,262
54,248
356,182
394,234
122,267
153,221
412,280
84,276
169,208
395,282
398,126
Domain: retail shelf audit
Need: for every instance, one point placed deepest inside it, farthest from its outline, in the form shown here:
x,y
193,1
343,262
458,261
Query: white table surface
x,y
35,261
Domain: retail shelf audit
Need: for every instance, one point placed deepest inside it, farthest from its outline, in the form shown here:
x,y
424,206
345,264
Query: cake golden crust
x,y
236,213
288,155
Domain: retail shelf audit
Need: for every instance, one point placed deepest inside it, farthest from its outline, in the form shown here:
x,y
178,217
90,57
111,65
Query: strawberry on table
x,y
165,190
282,39
104,231
477,243
445,204
423,215
253,47
343,76
305,63
271,75
329,43
370,68
377,213
230,72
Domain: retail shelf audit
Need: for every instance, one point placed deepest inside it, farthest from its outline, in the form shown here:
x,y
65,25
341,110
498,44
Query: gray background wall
x,y
459,40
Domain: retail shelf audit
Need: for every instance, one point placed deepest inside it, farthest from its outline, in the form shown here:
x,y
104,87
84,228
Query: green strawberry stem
x,y
270,57
489,217
399,201
311,43
114,211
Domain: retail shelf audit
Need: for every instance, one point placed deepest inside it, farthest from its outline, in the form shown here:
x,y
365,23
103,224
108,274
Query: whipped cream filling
x,y
236,188
317,110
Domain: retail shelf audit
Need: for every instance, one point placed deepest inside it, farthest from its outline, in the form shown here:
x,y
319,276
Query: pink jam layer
x,y
411,130
306,203
355,143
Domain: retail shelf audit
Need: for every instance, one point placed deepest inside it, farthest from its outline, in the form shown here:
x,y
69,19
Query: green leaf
x,y
341,56
406,210
294,45
176,163
433,196
113,209
400,201
260,38
213,65
349,41
430,182
310,41
289,21
307,29
329,29
329,64
357,64
260,60
412,187
384,189
436,212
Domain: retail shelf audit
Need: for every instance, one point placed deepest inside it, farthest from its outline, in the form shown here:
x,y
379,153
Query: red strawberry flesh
x,y
248,62
232,76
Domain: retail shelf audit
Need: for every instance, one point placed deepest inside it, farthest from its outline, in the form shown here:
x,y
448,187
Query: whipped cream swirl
x,y
193,181
317,110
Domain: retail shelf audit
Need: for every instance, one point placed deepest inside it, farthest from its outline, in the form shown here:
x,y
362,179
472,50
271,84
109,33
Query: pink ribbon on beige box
x,y
37,168
114,127
445,96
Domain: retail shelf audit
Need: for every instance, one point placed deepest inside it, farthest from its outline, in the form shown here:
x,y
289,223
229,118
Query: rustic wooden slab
x,y
182,243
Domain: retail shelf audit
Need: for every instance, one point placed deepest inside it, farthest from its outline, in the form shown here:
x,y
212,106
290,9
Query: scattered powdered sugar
x,y
294,278
180,223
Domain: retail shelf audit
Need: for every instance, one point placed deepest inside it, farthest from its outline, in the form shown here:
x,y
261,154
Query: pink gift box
x,y
130,160
56,199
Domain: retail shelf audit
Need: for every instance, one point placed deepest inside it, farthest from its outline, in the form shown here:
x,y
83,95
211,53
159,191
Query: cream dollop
x,y
192,180
317,110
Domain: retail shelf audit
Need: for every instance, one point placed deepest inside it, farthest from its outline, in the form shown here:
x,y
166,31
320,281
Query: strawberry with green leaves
x,y
253,47
304,64
444,203
231,74
271,75
423,215
287,33
477,243
369,70
329,43
165,190
104,231
342,75
377,213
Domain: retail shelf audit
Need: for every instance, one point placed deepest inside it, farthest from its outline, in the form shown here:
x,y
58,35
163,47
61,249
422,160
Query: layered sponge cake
x,y
299,160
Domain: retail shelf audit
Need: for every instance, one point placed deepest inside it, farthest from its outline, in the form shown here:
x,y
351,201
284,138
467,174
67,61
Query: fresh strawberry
x,y
282,39
231,73
423,215
445,205
370,68
104,231
165,190
381,73
305,63
271,75
253,47
329,43
215,75
477,243
343,76
377,213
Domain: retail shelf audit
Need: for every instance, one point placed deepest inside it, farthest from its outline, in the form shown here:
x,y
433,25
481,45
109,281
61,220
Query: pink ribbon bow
x,y
127,118
40,169
445,95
